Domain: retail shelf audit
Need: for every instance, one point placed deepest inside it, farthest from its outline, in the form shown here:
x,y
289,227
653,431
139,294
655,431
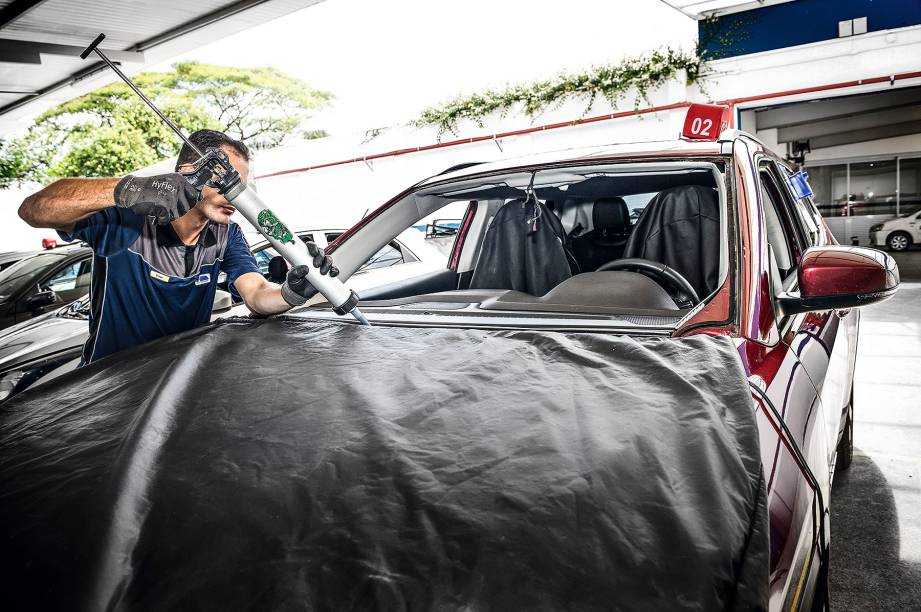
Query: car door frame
x,y
776,372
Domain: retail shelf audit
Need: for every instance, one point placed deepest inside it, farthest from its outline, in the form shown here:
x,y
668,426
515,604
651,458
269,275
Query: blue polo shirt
x,y
146,283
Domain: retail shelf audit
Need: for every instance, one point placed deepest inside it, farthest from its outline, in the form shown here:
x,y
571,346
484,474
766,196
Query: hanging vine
x,y
610,82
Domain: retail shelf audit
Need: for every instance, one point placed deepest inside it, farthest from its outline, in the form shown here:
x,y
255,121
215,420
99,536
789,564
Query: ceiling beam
x,y
848,124
16,9
30,52
87,72
865,135
197,24
830,108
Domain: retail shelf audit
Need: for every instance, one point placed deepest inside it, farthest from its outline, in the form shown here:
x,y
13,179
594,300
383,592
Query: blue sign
x,y
799,183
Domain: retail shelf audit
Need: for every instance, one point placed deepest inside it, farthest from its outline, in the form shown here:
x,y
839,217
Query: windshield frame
x,y
356,240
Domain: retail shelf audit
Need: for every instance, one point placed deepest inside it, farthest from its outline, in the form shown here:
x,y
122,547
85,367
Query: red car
x,y
781,287
629,389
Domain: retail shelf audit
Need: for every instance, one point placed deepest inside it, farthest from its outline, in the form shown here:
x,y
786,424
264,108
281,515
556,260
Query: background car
x,y
897,234
50,344
10,257
43,282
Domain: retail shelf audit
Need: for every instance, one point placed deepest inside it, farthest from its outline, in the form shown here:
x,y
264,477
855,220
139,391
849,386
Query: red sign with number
x,y
705,122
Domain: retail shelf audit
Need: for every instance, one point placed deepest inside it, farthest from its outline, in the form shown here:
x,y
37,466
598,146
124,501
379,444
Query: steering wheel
x,y
670,279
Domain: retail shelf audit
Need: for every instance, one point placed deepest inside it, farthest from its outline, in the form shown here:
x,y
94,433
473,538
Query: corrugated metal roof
x,y
40,41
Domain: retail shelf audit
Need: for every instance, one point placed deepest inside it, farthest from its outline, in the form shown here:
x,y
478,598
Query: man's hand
x,y
166,196
296,289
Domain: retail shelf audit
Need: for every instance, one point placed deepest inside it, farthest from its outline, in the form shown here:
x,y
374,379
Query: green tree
x,y
109,131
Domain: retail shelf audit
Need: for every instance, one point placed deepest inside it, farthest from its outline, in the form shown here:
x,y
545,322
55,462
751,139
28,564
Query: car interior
x,y
639,238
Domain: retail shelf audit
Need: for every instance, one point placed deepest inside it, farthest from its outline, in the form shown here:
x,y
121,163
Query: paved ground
x,y
909,263
876,505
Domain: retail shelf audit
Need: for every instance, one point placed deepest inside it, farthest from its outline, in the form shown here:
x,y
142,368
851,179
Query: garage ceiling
x,y
40,42
843,120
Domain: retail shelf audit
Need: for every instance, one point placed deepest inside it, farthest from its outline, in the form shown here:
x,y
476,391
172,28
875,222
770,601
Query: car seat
x,y
523,250
680,227
605,241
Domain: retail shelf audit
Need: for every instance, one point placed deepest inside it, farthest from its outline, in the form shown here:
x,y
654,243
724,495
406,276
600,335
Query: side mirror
x,y
278,269
41,299
222,301
833,277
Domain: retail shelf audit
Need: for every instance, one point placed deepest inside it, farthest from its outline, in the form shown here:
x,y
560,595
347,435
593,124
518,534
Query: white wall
x,y
15,235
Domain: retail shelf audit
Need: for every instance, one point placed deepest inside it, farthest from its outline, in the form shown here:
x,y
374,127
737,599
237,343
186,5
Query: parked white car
x,y
897,234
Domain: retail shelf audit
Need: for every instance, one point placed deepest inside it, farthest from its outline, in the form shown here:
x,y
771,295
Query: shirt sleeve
x,y
108,231
238,258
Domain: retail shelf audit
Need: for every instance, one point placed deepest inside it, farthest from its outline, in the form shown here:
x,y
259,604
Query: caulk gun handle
x,y
92,46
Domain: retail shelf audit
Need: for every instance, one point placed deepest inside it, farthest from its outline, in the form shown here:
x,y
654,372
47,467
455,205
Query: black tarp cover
x,y
298,465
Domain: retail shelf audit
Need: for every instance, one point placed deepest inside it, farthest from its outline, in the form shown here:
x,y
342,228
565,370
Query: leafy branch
x,y
610,82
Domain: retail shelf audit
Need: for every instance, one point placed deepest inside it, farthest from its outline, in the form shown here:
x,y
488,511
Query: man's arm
x,y
259,295
265,298
63,203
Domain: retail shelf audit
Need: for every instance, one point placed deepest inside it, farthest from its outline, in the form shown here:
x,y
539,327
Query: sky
x,y
386,60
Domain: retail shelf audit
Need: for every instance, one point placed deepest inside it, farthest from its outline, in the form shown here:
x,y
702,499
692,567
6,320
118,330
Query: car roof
x,y
662,148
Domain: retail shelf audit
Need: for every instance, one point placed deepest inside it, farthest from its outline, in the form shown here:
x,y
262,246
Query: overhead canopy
x,y
699,9
40,42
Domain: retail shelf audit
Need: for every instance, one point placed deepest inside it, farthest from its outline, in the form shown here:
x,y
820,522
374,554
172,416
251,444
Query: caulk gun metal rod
x,y
134,88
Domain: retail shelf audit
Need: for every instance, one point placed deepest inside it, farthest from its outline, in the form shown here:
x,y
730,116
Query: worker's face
x,y
213,205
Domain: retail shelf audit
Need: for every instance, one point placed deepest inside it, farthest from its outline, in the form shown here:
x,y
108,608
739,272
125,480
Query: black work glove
x,y
296,289
165,197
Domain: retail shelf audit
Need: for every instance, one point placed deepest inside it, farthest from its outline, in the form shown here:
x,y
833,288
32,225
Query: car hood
x,y
348,467
41,336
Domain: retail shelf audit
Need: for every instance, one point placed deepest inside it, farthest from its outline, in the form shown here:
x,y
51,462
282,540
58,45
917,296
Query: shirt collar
x,y
166,236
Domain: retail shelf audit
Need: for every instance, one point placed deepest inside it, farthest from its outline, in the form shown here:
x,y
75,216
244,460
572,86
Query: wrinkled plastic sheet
x,y
298,465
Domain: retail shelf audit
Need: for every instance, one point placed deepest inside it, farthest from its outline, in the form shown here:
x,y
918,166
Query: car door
x,y
914,227
789,386
831,358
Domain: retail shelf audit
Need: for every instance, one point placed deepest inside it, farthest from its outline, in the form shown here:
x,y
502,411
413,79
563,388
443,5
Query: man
x,y
159,246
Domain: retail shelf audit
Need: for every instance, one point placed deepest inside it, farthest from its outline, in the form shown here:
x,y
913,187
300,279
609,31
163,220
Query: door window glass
x,y
263,258
829,186
777,235
873,188
804,216
64,279
388,256
71,282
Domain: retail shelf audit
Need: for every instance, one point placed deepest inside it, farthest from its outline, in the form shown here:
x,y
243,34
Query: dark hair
x,y
205,139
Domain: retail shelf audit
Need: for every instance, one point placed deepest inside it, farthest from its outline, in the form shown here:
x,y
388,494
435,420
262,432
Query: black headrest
x,y
611,214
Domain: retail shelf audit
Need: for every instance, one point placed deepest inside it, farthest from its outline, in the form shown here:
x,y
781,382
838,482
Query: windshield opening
x,y
628,238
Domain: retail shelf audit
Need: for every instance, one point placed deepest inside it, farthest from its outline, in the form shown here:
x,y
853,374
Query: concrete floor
x,y
876,504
